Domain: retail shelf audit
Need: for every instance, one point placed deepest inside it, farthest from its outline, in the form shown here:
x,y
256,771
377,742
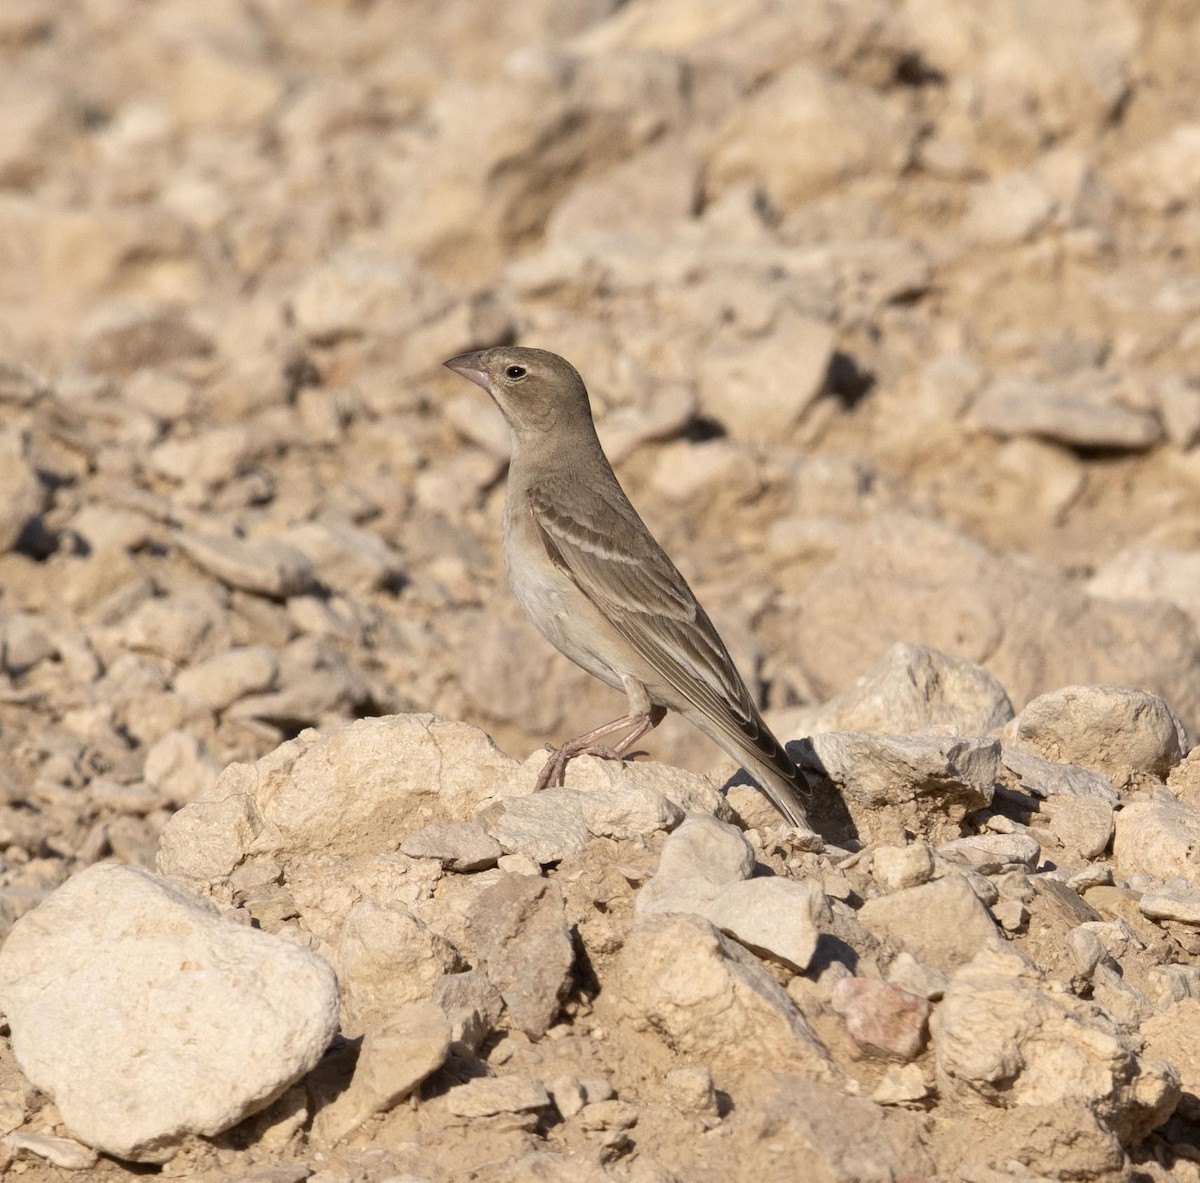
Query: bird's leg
x,y
642,717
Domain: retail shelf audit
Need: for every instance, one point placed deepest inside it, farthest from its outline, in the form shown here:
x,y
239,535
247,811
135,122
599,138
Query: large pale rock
x,y
1077,416
895,577
348,558
914,689
395,1057
710,1000
458,846
836,130
1049,778
927,783
488,1095
759,389
113,989
1083,825
1174,1035
360,790
1158,838
698,860
387,958
1114,730
1181,904
1006,1038
221,680
896,867
547,826
774,917
21,498
941,922
991,853
263,566
1148,572
519,931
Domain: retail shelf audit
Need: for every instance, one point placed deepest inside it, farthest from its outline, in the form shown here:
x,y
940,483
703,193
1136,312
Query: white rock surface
x,y
1158,838
941,922
1004,1037
775,918
915,689
698,859
894,867
361,789
708,998
113,989
1113,730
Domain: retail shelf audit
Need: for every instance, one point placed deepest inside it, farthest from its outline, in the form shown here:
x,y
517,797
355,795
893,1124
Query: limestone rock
x,y
1181,904
122,977
518,928
1174,1036
386,959
778,378
1050,778
488,1095
263,566
547,826
707,998
1158,838
914,689
1005,1037
1083,825
1012,406
1148,572
698,859
1114,730
929,782
458,846
775,918
991,853
895,867
941,922
221,680
394,1059
361,789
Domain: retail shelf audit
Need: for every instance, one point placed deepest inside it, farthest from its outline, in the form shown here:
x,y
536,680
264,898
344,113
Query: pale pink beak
x,y
470,366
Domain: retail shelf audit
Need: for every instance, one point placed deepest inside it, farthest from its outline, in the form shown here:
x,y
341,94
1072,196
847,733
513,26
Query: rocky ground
x,y
889,314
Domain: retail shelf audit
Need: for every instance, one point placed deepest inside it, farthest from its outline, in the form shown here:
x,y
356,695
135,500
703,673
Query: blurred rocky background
x,y
888,311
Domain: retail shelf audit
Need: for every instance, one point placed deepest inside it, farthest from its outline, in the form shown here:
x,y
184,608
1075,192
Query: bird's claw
x,y
554,771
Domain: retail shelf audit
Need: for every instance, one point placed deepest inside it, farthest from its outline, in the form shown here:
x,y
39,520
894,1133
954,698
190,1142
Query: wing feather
x,y
602,544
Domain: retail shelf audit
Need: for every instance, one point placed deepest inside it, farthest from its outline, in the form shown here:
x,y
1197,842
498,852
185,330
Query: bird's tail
x,y
782,789
767,761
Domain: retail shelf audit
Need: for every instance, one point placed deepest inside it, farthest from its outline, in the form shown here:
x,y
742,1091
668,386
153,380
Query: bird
x,y
598,586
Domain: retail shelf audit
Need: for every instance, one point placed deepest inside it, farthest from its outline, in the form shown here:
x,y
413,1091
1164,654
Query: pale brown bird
x,y
598,587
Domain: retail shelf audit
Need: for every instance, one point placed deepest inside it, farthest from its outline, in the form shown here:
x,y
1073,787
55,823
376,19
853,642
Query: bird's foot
x,y
554,771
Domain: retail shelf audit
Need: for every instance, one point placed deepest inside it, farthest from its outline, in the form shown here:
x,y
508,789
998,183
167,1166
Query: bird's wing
x,y
596,537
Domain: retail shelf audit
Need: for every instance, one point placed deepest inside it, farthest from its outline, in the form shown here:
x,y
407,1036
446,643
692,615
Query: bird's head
x,y
538,391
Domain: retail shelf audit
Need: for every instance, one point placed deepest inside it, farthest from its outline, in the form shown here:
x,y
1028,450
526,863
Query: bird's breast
x,y
552,601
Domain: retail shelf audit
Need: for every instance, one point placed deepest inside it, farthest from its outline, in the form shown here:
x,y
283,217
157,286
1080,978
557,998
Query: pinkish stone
x,y
881,1017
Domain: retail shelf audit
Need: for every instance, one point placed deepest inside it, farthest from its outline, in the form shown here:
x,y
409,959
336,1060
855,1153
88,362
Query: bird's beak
x,y
470,366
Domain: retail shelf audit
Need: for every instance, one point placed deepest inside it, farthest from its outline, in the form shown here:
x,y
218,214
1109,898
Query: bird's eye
x,y
515,372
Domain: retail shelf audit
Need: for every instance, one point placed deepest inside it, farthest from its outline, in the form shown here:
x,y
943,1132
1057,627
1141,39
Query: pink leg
x,y
585,745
